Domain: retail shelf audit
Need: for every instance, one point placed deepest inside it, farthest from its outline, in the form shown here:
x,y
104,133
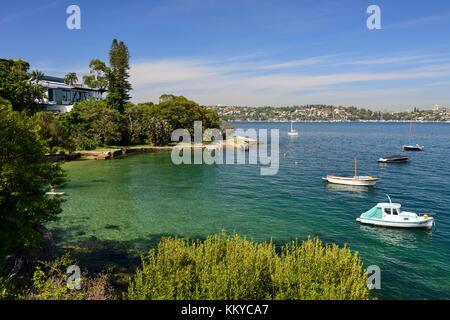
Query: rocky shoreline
x,y
237,142
103,155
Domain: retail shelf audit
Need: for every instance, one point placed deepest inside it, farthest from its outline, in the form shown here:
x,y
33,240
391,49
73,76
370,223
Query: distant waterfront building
x,y
61,97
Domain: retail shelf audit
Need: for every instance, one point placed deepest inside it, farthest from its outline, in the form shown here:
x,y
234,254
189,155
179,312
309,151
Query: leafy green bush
x,y
6,289
92,123
158,132
144,127
231,267
49,282
52,133
181,113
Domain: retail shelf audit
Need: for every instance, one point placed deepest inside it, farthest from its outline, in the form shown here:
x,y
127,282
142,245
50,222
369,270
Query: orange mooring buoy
x,y
284,155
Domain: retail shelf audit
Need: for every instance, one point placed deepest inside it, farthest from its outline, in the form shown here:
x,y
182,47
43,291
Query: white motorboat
x,y
292,132
394,159
390,215
353,181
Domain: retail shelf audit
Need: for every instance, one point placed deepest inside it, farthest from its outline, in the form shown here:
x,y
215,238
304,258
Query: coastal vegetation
x,y
49,282
233,268
222,267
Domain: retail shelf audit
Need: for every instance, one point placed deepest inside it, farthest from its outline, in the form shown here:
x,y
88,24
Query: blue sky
x,y
248,52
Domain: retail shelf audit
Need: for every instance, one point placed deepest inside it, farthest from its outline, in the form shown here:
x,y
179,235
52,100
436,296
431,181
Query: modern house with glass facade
x,y
61,97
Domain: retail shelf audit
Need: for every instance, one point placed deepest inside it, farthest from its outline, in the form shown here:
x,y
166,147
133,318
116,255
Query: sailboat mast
x,y
410,130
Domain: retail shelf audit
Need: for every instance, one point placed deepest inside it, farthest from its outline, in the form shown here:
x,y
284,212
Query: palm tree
x,y
70,78
37,75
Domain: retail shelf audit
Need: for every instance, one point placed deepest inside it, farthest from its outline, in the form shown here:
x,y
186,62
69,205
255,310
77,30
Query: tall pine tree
x,y
119,86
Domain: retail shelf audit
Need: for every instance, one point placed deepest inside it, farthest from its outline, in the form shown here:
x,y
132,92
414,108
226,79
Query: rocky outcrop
x,y
106,155
61,156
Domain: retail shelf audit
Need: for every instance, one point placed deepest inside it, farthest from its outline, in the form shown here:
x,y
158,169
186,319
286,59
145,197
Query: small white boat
x,y
292,132
55,193
353,181
390,215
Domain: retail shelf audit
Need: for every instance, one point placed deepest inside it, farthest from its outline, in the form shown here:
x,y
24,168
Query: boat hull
x,y
413,148
351,182
395,160
425,223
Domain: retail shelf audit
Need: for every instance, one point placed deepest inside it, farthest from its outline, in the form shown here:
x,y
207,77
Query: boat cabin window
x,y
394,212
387,210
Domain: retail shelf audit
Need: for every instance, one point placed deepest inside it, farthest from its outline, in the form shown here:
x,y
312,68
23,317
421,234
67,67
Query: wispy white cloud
x,y
299,63
230,83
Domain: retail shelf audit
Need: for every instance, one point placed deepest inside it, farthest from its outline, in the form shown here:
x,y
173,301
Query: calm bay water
x,y
136,199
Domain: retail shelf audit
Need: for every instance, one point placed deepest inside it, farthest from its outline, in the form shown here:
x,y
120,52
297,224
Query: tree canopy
x,y
16,87
181,113
24,175
99,75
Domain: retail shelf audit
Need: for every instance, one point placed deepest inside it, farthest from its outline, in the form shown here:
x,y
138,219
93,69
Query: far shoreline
x,y
338,121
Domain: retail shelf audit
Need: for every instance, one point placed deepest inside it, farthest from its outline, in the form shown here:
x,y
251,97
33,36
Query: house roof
x,y
57,82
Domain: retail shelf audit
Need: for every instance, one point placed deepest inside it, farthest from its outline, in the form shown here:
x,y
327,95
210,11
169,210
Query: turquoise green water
x,y
134,200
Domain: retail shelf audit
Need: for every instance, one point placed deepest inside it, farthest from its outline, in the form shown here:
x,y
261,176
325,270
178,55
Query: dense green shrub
x,y
224,267
181,113
92,123
144,127
49,282
52,133
158,132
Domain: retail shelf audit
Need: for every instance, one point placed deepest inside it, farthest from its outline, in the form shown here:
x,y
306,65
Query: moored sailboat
x,y
354,181
412,146
292,132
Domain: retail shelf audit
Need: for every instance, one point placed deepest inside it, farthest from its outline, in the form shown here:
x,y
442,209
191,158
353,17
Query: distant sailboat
x,y
292,132
412,146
